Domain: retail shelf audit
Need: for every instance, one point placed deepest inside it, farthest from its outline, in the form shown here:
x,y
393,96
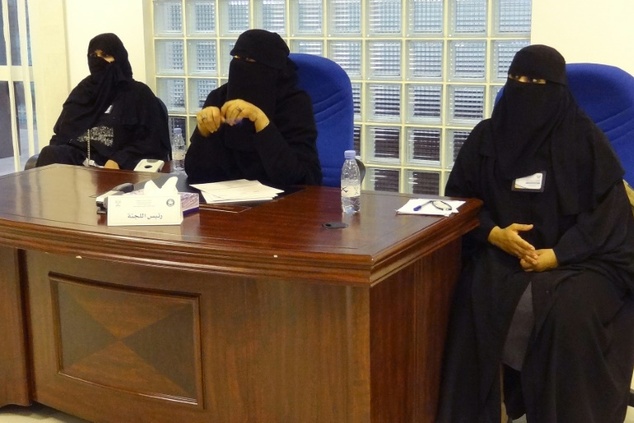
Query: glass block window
x,y
201,16
503,52
173,94
424,145
199,90
310,19
423,72
357,138
170,57
202,57
425,59
168,17
345,17
384,17
271,14
466,103
236,16
348,55
308,47
456,140
513,16
356,99
426,16
423,183
424,103
469,17
468,60
385,59
383,179
386,143
384,102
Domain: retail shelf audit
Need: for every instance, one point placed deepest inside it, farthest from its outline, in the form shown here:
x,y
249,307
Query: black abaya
x,y
579,360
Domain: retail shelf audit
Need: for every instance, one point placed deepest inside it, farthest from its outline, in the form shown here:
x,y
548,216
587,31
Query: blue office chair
x,y
606,94
329,87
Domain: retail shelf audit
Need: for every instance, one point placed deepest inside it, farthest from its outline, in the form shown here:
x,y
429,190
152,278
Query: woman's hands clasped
x,y
509,240
232,112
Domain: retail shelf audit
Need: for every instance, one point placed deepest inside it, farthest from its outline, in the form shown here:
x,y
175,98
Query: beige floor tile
x,y
35,413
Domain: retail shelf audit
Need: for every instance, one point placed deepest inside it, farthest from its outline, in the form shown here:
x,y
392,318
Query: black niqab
x,y
95,93
262,80
527,114
538,127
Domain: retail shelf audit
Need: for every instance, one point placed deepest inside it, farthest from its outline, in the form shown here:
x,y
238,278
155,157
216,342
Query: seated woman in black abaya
x,y
546,294
109,119
259,125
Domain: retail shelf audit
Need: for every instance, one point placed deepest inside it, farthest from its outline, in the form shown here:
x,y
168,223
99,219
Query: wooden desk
x,y
253,315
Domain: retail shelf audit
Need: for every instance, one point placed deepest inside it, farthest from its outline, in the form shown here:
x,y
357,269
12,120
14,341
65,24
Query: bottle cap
x,y
178,131
349,154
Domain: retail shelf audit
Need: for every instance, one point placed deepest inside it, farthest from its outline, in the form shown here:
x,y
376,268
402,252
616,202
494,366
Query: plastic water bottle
x,y
350,184
179,148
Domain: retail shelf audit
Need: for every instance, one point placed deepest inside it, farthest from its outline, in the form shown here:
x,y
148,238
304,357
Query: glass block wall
x,y
423,72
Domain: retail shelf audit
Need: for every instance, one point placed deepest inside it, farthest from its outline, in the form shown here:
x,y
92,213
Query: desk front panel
x,y
119,342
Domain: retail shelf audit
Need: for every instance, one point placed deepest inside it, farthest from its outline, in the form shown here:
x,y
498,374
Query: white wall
x,y
60,33
87,18
50,64
599,31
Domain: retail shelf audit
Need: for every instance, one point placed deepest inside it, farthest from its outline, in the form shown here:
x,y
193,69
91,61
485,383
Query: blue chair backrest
x,y
606,94
330,89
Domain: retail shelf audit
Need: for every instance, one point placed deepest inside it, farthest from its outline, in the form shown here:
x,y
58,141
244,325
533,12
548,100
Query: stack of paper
x,y
236,191
425,206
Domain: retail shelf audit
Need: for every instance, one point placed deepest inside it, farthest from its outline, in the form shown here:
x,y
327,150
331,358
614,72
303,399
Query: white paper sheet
x,y
424,206
240,190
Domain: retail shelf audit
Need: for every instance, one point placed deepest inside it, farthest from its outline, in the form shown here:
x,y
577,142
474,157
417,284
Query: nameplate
x,y
144,210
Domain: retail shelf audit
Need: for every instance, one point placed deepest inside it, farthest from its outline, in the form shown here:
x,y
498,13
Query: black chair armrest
x,y
31,162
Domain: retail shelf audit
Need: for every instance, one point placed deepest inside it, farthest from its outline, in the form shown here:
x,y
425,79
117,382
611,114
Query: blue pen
x,y
420,206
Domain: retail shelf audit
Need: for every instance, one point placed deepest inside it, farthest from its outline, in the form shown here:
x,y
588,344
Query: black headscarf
x,y
268,76
95,93
527,114
540,126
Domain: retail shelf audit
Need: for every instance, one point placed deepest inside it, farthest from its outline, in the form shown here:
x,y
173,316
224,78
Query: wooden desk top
x,y
53,209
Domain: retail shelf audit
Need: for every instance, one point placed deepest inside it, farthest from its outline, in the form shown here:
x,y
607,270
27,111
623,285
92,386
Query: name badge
x,y
532,183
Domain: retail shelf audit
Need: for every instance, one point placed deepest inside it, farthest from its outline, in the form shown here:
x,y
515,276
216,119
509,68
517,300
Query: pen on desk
x,y
420,206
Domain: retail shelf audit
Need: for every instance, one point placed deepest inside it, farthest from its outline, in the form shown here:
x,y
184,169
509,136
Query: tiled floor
x,y
41,414
35,413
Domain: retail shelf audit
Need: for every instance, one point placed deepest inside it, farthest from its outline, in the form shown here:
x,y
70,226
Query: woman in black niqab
x,y
95,93
259,125
261,74
108,119
535,123
548,280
